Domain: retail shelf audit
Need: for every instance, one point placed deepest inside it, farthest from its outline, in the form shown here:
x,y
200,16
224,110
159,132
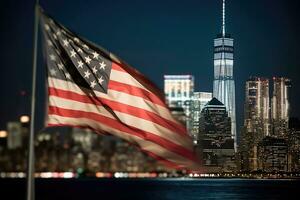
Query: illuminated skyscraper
x,y
256,120
215,138
280,106
224,86
179,90
199,100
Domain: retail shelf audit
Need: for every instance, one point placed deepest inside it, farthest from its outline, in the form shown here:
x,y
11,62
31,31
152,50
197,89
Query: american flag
x,y
91,88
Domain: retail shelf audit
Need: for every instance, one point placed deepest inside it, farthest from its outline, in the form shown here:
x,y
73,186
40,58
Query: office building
x,y
223,85
280,106
199,100
215,139
273,155
179,90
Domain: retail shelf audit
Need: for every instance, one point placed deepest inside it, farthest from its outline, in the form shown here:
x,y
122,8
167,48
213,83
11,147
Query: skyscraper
x,y
199,100
179,90
215,138
256,121
257,118
224,86
280,106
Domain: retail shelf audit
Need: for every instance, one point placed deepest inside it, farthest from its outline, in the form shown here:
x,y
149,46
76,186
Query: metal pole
x,y
30,173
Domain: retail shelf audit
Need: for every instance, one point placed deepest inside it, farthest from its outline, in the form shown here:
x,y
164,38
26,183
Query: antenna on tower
x,y
223,19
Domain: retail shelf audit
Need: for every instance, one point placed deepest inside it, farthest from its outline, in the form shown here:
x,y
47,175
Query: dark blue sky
x,y
156,37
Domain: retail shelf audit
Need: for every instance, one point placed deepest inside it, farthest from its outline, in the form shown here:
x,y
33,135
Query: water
x,y
187,189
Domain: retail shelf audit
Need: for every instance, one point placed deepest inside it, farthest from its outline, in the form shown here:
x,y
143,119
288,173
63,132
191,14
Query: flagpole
x,y
30,173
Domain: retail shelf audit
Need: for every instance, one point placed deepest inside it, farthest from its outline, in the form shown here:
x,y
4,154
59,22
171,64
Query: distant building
x,y
215,139
256,120
179,114
294,144
273,155
14,139
84,138
199,100
223,85
280,106
179,90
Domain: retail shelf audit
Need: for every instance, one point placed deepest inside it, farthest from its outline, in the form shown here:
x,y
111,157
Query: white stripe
x,y
124,77
131,120
144,144
116,96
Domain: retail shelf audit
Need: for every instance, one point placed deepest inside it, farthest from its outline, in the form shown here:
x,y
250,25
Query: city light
x,y
24,119
3,134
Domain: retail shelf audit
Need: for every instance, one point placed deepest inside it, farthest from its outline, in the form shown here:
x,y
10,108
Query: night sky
x,y
156,37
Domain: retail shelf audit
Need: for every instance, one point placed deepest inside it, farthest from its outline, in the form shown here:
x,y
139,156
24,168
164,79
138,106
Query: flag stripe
x,y
169,160
136,91
124,128
140,78
113,127
125,118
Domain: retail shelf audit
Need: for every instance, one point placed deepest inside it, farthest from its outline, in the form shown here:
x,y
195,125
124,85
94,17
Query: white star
x,y
52,57
100,80
76,39
58,33
95,55
49,42
85,46
53,72
68,76
80,64
93,84
102,65
79,50
87,60
47,27
87,74
73,53
60,66
94,70
66,43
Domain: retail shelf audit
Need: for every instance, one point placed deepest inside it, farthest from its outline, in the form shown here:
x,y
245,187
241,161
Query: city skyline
x,y
198,57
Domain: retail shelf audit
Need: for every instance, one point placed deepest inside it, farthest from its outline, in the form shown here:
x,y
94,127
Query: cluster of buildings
x,y
268,141
270,138
70,149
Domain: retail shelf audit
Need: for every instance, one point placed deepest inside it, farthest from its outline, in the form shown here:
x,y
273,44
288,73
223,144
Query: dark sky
x,y
156,37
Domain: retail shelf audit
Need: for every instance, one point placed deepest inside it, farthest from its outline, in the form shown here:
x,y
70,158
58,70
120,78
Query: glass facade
x,y
280,106
199,100
224,86
215,138
179,90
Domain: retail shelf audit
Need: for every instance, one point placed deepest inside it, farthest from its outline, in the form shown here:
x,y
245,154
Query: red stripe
x,y
151,154
140,78
180,150
165,161
135,91
135,111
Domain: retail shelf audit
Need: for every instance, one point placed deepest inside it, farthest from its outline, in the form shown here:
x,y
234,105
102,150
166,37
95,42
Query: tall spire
x,y
223,19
